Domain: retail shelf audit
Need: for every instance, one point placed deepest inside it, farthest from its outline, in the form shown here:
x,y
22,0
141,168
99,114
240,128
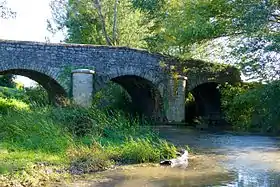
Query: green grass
x,y
71,138
10,105
15,160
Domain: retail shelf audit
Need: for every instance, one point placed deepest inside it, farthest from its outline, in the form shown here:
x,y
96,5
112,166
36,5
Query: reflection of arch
x,y
207,99
54,89
146,98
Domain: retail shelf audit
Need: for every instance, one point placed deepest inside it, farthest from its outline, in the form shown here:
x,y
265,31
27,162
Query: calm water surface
x,y
222,159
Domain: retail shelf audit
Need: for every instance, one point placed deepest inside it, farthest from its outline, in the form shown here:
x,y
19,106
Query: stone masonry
x,y
80,70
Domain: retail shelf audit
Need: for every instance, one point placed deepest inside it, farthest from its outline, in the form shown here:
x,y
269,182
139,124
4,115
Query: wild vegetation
x,y
72,139
252,106
37,139
245,34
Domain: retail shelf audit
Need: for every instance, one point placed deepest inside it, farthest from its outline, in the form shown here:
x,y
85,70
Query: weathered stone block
x,y
82,86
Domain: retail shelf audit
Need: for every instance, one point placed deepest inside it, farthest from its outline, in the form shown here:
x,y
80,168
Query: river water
x,y
221,159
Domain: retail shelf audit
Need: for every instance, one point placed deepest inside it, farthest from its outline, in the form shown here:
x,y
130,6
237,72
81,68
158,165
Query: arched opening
x,y
204,101
142,97
54,90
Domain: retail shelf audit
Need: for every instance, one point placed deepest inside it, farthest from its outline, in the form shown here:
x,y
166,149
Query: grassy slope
x,y
71,139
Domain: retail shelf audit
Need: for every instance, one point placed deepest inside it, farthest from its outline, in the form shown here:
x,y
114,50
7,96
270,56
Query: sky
x,y
30,24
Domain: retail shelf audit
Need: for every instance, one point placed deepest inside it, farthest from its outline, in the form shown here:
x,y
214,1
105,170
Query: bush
x,y
143,150
79,121
36,96
112,97
11,105
252,107
12,93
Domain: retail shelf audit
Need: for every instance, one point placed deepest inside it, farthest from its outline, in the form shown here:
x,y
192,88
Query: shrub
x,y
79,121
252,107
12,93
36,96
10,105
143,150
112,97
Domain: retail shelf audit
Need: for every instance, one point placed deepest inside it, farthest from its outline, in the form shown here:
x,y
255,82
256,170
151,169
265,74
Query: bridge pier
x,y
82,87
176,95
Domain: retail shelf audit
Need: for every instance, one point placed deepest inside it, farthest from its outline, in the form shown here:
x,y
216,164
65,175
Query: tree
x,y
110,22
251,28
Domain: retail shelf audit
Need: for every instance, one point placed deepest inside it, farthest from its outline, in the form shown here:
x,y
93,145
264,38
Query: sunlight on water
x,y
222,160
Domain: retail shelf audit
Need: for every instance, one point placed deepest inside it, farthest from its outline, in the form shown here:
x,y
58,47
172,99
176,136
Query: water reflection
x,y
255,179
223,160
254,159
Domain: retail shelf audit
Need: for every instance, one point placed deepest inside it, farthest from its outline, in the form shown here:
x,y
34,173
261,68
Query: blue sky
x,y
29,25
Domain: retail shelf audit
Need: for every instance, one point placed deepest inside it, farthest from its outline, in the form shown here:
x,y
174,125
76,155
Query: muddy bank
x,y
202,170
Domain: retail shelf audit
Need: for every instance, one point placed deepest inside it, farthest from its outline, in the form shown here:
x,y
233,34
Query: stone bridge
x,y
79,71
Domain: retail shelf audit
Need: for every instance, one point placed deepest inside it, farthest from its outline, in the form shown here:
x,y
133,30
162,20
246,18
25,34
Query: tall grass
x,y
80,139
73,139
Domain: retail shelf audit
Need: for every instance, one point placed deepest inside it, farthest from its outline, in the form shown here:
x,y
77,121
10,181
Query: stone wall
x,y
57,60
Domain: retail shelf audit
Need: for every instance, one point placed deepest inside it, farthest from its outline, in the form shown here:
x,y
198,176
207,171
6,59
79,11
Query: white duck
x,y
179,162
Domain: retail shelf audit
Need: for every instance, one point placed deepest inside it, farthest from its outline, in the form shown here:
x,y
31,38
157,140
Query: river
x,y
220,159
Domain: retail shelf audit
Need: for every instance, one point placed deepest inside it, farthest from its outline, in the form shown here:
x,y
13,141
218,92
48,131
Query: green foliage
x,y
78,139
246,31
33,131
78,121
146,150
243,32
252,107
36,96
132,150
112,97
84,25
11,105
7,81
12,93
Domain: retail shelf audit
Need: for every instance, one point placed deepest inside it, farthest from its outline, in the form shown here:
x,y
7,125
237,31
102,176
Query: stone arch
x,y
149,75
197,80
207,100
45,79
144,91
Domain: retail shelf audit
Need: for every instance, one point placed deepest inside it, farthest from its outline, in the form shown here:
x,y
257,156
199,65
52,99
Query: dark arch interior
x,y
206,101
55,91
146,99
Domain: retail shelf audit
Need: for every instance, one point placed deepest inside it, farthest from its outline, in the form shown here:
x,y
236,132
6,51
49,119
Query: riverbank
x,y
218,160
201,171
36,140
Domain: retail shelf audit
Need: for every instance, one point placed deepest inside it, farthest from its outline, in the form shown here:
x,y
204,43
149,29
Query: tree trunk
x,y
115,23
101,17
